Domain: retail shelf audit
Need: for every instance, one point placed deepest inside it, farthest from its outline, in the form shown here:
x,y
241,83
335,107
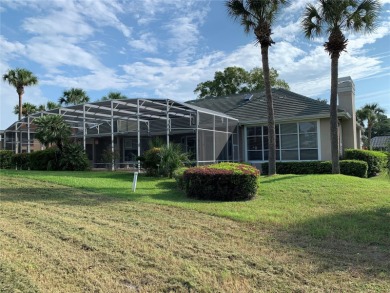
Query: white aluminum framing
x,y
107,113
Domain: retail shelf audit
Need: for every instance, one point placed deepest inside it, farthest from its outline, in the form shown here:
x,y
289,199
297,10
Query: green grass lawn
x,y
337,206
87,232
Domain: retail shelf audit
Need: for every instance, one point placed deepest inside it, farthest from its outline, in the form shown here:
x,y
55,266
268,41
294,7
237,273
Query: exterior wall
x,y
325,140
346,97
242,144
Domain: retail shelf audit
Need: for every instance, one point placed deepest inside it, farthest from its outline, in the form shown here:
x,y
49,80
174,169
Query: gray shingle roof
x,y
380,141
287,105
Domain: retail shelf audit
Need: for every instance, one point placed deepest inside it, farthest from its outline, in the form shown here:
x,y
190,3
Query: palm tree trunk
x,y
20,105
20,117
334,134
270,110
369,133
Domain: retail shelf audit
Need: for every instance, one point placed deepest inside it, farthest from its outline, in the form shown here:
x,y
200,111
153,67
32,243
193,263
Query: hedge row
x,y
72,158
224,182
347,167
376,161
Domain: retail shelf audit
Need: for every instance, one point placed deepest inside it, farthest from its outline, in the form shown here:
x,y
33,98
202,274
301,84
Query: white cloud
x,y
67,22
146,43
10,49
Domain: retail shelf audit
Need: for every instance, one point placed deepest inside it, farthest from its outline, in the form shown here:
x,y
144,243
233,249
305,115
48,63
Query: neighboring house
x,y
231,128
380,143
302,123
2,140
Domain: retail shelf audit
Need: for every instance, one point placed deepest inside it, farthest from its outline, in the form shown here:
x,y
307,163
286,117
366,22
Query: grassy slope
x,y
61,239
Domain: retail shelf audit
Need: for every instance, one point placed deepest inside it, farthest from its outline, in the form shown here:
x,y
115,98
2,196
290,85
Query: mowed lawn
x,y
87,232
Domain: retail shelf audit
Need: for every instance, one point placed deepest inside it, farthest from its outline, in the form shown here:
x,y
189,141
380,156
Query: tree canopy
x,y
236,80
114,96
52,129
74,96
368,117
20,78
27,109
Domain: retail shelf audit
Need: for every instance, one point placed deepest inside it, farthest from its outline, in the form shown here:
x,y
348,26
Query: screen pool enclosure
x,y
125,129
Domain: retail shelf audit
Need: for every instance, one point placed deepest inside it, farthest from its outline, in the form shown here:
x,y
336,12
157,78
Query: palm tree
x,y
113,96
52,129
258,16
332,17
74,96
369,113
20,78
52,105
27,109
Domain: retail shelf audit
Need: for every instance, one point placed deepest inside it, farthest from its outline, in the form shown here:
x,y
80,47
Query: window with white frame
x,y
294,141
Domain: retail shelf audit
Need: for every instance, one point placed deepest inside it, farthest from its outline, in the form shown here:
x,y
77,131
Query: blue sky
x,y
164,48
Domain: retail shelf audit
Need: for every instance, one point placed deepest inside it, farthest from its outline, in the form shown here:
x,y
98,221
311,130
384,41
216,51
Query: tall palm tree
x,y
27,109
369,113
113,96
74,96
332,17
258,16
20,78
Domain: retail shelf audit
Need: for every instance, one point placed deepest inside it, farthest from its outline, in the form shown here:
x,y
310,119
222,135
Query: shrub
x,y
347,167
108,157
225,182
73,158
152,161
354,168
303,167
21,161
375,160
178,175
5,159
172,157
44,160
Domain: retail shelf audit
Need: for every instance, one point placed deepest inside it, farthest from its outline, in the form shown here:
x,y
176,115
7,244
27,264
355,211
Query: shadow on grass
x,y
273,179
167,191
346,241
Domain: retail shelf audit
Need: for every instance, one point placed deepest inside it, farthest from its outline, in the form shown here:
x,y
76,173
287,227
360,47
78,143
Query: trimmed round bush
x,y
354,168
222,182
375,160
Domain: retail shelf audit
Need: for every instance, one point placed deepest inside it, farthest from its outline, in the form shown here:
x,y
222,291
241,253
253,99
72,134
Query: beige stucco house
x,y
302,123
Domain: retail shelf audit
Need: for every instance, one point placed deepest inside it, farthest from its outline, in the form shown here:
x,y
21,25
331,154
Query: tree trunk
x,y
369,133
270,111
334,135
20,105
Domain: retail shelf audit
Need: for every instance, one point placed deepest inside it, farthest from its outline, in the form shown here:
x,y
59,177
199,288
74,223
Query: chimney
x,y
346,97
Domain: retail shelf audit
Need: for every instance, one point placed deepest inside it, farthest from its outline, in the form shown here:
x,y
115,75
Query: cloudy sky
x,y
164,48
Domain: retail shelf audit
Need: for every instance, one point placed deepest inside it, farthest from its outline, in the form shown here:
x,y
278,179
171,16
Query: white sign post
x,y
135,181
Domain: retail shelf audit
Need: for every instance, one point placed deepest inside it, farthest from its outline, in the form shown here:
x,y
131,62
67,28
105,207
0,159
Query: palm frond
x,y
311,22
363,19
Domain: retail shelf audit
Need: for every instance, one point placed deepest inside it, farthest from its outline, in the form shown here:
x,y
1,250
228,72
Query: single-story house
x,y
302,123
380,143
230,128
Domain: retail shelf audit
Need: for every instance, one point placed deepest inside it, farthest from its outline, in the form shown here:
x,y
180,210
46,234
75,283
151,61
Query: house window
x,y
294,141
